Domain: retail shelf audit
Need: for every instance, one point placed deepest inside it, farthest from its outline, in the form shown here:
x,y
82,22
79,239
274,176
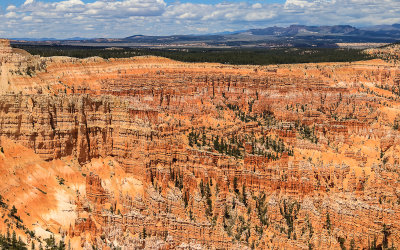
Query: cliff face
x,y
15,62
79,126
162,154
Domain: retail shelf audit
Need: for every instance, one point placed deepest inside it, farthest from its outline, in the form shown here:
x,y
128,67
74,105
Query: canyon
x,y
151,153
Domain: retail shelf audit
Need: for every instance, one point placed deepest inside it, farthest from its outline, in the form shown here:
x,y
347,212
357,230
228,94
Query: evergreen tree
x,y
144,234
201,188
328,222
14,240
244,195
386,234
235,185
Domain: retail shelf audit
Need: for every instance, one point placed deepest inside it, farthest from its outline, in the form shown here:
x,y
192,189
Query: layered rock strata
x,y
164,154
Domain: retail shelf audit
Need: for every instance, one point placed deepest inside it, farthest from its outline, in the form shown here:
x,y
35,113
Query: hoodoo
x,y
14,62
5,49
5,56
148,152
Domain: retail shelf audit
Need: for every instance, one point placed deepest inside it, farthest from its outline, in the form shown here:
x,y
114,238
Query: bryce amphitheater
x,y
151,153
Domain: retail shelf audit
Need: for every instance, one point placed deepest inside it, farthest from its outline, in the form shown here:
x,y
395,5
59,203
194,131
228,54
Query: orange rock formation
x,y
148,152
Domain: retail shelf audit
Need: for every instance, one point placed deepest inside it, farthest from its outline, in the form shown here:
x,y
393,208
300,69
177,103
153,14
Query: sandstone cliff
x,y
151,153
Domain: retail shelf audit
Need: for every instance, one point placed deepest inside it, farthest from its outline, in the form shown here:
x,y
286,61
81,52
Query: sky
x,y
122,18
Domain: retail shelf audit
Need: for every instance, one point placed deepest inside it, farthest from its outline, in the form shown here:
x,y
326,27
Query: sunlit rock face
x,y
151,153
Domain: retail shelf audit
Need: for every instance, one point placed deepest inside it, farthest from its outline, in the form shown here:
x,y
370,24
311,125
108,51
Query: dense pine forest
x,y
227,56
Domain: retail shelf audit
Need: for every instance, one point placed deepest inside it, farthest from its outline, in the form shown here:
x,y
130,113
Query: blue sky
x,y
121,18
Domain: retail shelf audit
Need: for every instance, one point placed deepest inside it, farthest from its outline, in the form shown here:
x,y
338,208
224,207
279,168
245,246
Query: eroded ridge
x,y
152,153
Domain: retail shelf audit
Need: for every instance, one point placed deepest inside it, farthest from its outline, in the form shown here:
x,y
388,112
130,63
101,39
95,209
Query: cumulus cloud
x,y
11,7
119,18
27,2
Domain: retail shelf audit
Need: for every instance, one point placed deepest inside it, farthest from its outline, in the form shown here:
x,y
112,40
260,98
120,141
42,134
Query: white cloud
x,y
11,7
11,14
119,18
27,18
28,2
298,3
256,6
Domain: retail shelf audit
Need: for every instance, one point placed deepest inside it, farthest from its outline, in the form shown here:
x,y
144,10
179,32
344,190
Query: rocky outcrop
x,y
174,154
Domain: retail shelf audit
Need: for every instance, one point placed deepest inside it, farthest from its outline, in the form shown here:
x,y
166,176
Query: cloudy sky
x,y
121,18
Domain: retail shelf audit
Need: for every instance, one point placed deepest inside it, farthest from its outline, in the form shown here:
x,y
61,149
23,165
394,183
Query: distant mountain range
x,y
294,35
43,39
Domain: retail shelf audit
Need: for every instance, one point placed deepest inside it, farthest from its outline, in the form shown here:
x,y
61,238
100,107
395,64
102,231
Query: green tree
x,y
201,185
352,244
14,240
328,223
244,195
235,185
386,233
289,210
144,234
